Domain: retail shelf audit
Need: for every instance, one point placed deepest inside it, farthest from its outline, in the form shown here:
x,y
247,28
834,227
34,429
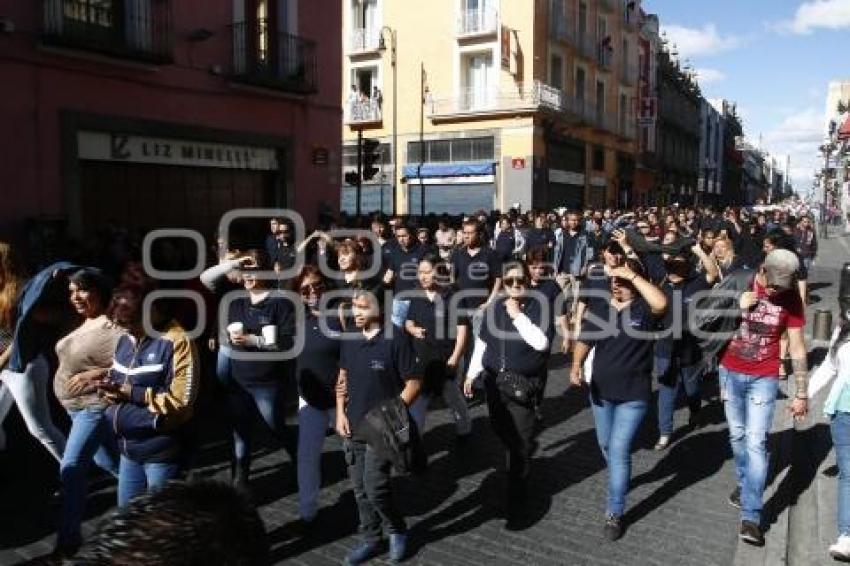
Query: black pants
x,y
514,425
370,479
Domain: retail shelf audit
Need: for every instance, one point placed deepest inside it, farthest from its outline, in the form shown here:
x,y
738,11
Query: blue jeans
x,y
617,423
840,428
244,401
749,402
400,308
222,365
134,478
89,438
687,380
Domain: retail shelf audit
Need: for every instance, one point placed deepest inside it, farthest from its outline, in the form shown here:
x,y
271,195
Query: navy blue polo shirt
x,y
539,237
404,264
434,315
512,352
476,272
377,369
552,292
569,252
622,363
270,311
505,244
679,295
595,290
317,368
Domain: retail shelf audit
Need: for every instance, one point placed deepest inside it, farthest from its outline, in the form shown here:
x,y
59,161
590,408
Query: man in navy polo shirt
x,y
402,268
374,367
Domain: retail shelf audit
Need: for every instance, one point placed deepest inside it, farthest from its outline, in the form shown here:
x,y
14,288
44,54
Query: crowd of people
x,y
357,325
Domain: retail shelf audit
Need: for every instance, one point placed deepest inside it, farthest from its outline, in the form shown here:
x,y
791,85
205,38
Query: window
x,y
624,111
92,12
582,21
556,72
349,155
598,158
452,150
581,84
365,79
600,99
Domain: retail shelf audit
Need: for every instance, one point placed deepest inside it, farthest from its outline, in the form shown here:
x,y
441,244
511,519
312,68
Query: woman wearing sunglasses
x,y
316,371
621,386
515,336
259,325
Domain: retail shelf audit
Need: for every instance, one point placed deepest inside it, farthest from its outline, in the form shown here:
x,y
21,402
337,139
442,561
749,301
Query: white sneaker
x,y
841,549
663,442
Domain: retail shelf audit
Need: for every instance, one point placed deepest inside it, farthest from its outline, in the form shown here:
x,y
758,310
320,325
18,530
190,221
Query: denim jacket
x,y
583,255
25,346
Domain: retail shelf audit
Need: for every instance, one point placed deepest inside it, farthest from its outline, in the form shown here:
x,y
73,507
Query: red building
x,y
162,114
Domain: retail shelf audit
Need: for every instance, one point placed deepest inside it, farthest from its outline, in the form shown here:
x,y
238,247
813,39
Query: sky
x,y
774,58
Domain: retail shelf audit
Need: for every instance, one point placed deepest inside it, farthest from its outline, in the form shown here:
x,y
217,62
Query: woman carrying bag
x,y
511,353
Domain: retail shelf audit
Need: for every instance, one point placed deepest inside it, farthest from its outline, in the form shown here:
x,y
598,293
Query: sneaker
x,y
364,551
694,420
663,442
751,533
613,527
398,547
735,498
841,549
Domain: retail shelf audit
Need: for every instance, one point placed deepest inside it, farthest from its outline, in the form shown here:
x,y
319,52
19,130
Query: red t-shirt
x,y
754,350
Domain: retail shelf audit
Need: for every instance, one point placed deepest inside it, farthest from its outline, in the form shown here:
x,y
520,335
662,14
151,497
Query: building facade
x,y
161,114
711,154
646,174
678,133
499,103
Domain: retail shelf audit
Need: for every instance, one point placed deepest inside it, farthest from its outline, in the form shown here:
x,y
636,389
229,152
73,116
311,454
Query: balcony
x,y
364,40
130,29
363,113
527,98
265,58
561,30
630,74
608,6
482,21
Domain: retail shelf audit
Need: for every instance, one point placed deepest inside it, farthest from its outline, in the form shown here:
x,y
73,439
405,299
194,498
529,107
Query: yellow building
x,y
526,101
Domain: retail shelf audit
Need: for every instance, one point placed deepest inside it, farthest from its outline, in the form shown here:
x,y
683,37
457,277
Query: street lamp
x,y
382,46
827,149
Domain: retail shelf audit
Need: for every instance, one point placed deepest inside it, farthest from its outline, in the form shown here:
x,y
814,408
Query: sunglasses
x,y
514,281
308,288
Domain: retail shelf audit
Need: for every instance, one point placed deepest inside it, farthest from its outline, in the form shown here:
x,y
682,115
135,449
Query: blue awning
x,y
449,170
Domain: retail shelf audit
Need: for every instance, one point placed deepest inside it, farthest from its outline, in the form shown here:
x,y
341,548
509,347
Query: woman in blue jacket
x,y
152,386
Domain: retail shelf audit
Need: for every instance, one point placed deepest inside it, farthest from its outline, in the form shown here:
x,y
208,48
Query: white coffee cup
x,y
270,334
235,329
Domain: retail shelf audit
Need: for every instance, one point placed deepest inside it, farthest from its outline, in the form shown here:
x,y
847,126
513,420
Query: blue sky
x,y
774,58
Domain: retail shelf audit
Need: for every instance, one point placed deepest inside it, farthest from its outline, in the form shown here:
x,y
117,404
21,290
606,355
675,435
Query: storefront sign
x,y
115,146
566,177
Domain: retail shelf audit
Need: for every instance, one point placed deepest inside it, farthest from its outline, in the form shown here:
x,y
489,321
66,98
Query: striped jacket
x,y
164,375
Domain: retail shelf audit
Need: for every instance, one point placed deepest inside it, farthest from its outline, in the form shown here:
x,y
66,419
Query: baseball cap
x,y
780,266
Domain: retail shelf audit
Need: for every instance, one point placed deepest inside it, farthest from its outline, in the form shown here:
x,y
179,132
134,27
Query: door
x,y
478,81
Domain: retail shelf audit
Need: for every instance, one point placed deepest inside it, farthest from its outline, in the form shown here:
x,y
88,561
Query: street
x,y
677,511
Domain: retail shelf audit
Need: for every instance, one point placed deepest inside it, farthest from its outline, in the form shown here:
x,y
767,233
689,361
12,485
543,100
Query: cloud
x,y
818,14
692,42
798,134
709,76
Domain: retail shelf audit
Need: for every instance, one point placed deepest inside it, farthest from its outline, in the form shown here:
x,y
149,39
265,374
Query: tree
x,y
843,107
